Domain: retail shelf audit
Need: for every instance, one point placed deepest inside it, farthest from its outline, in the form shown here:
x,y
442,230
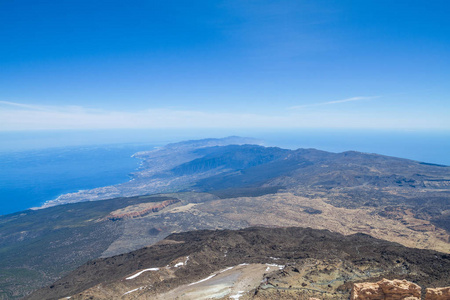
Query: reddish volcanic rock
x,y
386,290
438,293
142,212
366,290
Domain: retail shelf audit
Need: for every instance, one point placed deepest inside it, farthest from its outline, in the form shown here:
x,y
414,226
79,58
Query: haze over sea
x,y
39,166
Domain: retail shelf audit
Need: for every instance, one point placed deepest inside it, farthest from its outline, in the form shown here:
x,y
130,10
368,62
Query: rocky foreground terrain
x,y
396,289
214,185
258,263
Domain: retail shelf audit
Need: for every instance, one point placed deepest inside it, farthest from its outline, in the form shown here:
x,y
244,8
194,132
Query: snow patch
x,y
238,295
139,288
182,263
139,273
224,270
211,276
207,278
274,265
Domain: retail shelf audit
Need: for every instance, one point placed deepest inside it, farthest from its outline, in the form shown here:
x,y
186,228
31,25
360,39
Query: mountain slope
x,y
230,187
155,174
37,247
186,258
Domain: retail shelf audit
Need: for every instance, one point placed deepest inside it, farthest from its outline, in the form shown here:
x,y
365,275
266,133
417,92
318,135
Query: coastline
x,y
33,176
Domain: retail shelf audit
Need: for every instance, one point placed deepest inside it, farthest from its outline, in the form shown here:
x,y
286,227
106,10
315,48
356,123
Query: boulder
x,y
386,290
442,293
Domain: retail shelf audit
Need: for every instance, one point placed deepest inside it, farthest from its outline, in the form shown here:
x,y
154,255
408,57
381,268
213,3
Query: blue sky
x,y
224,64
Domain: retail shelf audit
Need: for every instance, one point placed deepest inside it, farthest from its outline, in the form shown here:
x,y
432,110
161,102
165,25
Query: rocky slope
x,y
231,187
275,263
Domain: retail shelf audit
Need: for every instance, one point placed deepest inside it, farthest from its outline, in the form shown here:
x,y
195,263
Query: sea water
x,y
424,146
29,178
33,170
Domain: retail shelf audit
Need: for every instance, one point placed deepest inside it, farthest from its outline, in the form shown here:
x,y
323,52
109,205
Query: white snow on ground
x,y
182,263
274,265
207,278
139,273
224,270
274,258
238,295
139,288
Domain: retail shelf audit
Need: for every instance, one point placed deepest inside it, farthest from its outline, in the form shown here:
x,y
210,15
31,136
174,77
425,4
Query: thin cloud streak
x,y
21,105
48,108
19,116
334,102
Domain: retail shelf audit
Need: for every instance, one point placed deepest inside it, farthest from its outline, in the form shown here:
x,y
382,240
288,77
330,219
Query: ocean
x,y
37,167
425,146
30,178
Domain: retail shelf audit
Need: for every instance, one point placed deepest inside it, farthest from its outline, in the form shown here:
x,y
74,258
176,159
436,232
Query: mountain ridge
x,y
398,200
161,169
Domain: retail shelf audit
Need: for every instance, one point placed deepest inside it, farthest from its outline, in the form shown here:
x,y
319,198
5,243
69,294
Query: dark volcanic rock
x,y
255,245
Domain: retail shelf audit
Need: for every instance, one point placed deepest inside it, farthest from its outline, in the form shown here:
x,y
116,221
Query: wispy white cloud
x,y
32,107
18,116
21,105
359,98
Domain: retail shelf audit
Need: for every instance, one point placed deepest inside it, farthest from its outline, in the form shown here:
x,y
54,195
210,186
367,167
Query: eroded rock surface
x,y
396,290
386,289
140,210
442,293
